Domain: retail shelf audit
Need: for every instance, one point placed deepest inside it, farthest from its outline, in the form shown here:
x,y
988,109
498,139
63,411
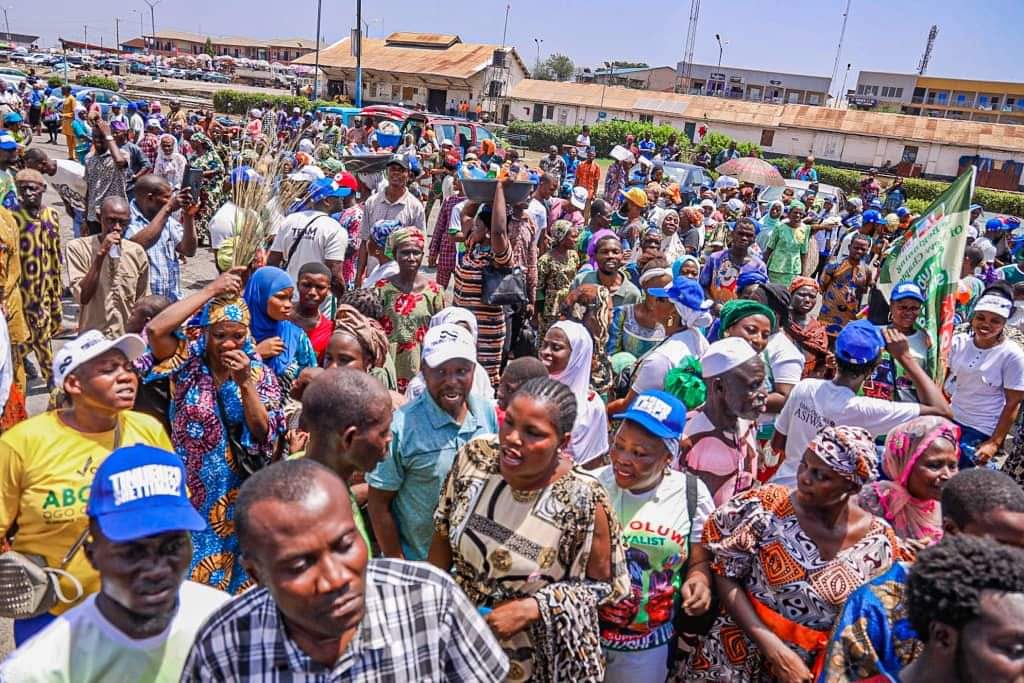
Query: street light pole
x,y
316,67
359,53
536,68
721,49
7,24
86,38
152,29
117,34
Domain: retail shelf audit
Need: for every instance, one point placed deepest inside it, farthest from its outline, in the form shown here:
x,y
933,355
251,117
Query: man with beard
x,y
323,610
139,627
965,597
722,434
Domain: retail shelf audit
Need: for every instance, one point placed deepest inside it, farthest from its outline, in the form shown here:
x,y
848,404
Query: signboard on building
x,y
863,101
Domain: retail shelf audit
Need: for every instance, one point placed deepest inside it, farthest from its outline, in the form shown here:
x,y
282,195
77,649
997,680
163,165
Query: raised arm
x,y
160,330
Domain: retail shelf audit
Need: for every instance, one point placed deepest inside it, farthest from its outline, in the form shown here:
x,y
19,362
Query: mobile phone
x,y
193,179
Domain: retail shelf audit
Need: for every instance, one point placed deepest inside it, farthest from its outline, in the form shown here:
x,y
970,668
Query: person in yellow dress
x,y
67,118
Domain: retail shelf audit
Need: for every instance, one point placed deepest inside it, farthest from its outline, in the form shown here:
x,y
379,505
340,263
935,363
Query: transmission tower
x,y
839,50
691,39
922,66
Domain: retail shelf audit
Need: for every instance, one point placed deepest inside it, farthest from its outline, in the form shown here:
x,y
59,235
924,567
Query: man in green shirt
x,y
348,416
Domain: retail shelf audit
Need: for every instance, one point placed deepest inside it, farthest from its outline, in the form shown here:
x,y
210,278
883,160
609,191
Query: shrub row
x,y
97,82
237,102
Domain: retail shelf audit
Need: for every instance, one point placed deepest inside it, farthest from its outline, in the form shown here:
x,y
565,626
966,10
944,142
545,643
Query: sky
x,y
976,39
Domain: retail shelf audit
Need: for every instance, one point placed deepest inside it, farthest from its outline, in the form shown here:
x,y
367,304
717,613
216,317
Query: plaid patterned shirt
x,y
164,267
418,626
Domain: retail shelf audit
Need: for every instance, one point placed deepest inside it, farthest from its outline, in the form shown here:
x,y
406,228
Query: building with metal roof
x,y
186,43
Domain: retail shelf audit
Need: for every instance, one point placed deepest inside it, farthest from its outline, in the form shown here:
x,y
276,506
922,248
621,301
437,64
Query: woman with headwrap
x,y
170,163
692,311
920,457
225,416
638,328
687,266
377,246
591,306
409,299
314,284
806,332
209,162
555,271
567,354
671,244
777,555
359,342
769,221
481,381
365,301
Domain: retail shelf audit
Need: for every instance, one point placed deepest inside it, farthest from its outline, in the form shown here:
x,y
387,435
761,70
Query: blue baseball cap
x,y
750,277
244,174
859,343
7,142
906,289
12,117
139,491
660,413
902,212
872,216
685,291
325,188
994,224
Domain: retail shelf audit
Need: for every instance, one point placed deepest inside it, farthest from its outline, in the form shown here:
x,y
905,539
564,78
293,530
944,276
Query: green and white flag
x,y
931,256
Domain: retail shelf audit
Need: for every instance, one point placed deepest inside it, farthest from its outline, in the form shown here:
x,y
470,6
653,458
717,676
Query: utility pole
x,y
839,48
316,67
86,37
7,24
152,29
536,68
359,53
721,49
842,90
117,33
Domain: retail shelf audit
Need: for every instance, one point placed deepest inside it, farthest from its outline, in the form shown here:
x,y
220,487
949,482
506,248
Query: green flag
x,y
931,255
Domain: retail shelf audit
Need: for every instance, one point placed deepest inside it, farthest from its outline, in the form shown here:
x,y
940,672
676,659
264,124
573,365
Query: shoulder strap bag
x,y
28,587
298,240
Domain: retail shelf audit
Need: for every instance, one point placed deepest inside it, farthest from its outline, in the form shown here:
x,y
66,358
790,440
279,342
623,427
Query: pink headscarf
x,y
912,518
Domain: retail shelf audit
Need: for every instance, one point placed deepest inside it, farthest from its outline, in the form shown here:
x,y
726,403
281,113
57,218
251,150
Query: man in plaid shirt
x,y
323,612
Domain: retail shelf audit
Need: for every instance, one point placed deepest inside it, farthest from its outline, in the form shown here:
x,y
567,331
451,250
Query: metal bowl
x,y
482,191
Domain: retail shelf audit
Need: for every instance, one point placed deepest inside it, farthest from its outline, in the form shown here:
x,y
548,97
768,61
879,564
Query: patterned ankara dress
x,y
40,284
406,319
213,477
757,541
507,544
554,279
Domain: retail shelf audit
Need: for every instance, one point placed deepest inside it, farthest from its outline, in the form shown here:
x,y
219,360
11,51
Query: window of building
x,y
793,98
767,138
898,92
550,113
813,99
909,154
874,90
647,118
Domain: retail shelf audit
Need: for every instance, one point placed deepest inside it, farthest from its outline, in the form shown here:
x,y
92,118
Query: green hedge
x,y
54,82
237,102
603,136
97,82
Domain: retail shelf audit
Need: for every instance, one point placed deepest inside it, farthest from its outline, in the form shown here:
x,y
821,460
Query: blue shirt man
x,y
164,267
404,488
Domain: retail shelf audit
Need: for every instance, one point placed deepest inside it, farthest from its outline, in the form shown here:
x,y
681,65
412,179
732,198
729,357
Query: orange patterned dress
x,y
757,541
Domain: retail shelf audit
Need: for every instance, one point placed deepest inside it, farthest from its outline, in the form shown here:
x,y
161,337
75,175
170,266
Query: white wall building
x,y
755,85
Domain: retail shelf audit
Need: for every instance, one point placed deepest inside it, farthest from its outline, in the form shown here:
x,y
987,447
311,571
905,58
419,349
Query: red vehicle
x,y
463,134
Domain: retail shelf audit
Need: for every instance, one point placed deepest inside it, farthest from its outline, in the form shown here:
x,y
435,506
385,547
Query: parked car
x,y
689,177
770,194
103,98
11,71
346,113
464,134
216,77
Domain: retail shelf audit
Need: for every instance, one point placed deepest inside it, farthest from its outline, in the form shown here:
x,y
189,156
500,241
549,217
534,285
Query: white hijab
x,y
590,432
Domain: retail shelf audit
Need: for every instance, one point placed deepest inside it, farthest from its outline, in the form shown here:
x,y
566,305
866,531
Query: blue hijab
x,y
265,283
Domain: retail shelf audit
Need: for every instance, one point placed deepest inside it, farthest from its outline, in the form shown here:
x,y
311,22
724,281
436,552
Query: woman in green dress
x,y
786,251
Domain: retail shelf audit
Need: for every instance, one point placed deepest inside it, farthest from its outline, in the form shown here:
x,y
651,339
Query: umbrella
x,y
752,170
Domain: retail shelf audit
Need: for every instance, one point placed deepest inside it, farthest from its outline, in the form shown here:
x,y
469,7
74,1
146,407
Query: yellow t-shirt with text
x,y
46,469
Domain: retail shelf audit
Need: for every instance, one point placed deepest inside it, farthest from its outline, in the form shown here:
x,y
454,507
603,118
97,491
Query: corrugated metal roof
x,y
459,60
716,109
234,40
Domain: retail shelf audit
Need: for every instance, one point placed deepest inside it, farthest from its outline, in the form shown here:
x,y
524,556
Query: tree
x,y
208,47
560,66
543,72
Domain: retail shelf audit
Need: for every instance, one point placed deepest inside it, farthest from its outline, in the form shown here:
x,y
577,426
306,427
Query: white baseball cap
x,y
447,342
993,303
89,345
578,197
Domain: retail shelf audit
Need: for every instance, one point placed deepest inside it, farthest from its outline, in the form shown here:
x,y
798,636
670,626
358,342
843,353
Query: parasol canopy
x,y
752,170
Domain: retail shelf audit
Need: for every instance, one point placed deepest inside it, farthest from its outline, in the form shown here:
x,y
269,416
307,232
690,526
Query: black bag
x,y
504,286
246,462
684,623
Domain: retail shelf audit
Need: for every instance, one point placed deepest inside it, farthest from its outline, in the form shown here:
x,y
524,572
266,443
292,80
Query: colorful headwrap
x,y
405,234
848,451
227,308
801,281
911,517
677,266
685,382
202,139
736,310
559,229
368,332
750,277
602,234
381,231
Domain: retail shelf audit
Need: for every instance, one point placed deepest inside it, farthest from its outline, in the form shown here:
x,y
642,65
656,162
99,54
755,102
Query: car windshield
x,y
685,177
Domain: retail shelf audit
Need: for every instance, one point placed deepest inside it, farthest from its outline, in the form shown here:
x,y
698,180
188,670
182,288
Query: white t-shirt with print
x,y
323,240
650,376
818,403
784,364
978,379
81,645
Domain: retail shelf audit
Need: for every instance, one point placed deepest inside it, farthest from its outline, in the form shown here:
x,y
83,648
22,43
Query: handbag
x,y
28,587
504,286
246,462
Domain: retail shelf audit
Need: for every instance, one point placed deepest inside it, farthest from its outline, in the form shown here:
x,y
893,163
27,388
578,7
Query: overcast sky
x,y
977,39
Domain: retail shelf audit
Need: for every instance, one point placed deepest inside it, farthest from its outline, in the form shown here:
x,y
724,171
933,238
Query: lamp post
x,y
359,53
316,66
536,68
7,24
152,29
721,49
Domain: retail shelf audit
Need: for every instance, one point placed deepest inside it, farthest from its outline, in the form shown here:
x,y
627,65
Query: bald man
x,y
108,274
153,226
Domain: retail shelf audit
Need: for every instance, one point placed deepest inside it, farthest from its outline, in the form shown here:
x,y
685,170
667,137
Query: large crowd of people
x,y
611,430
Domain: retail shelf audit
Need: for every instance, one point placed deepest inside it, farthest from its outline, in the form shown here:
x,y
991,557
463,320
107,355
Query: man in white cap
x,y
427,433
50,459
141,624
722,434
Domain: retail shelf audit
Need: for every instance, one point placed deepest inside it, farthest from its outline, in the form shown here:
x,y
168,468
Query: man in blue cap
x,y
141,624
136,123
313,235
817,403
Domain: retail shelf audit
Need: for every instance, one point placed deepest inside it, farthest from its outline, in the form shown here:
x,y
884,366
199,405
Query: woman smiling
x,y
533,540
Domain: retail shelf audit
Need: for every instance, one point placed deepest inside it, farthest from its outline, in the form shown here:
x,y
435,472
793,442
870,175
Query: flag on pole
x,y
931,255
